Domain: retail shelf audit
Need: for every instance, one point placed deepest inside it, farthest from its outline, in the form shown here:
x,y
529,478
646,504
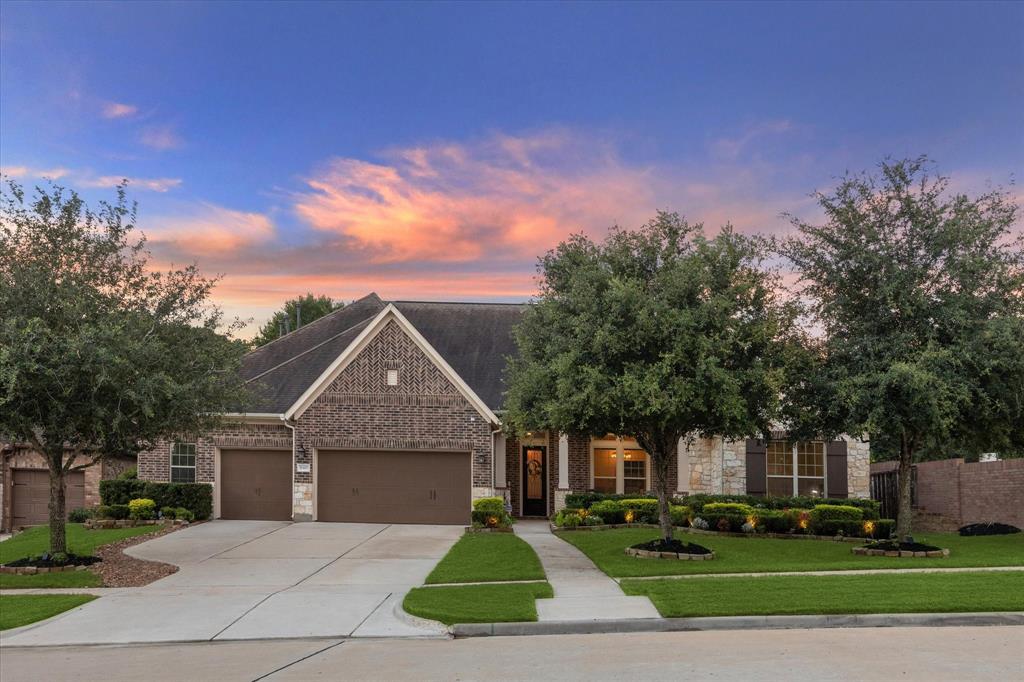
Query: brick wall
x,y
977,492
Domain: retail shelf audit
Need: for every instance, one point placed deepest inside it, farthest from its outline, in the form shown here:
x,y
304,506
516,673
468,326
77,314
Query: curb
x,y
873,620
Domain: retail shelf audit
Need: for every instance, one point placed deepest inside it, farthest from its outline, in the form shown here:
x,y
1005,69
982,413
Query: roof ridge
x,y
319,319
462,302
313,348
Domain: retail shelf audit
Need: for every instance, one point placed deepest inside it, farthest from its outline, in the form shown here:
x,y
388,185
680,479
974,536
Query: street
x,y
964,653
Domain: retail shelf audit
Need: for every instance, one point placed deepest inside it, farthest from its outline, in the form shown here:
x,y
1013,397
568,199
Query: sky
x,y
434,150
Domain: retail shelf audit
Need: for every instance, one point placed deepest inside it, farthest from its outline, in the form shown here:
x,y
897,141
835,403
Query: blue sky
x,y
434,150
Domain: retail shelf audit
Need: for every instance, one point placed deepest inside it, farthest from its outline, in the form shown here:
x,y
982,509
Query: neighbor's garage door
x,y
394,487
30,493
256,484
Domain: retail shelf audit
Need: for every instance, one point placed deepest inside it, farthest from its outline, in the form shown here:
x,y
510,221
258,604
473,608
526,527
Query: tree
x,y
919,295
99,355
659,333
296,312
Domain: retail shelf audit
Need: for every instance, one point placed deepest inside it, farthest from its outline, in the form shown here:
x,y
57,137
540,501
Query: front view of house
x,y
390,412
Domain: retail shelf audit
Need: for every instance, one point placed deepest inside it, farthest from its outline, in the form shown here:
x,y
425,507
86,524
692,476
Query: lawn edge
x,y
10,632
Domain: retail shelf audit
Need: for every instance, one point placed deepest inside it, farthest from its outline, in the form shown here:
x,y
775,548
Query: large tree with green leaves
x,y
660,333
919,295
98,354
295,313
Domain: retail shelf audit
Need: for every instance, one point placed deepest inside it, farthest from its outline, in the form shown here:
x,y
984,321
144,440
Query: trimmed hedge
x,y
196,497
489,504
727,508
870,508
490,519
836,512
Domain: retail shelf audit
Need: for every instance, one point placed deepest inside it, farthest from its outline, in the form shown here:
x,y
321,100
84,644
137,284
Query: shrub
x,y
697,502
129,474
80,515
584,500
491,519
611,511
568,518
491,504
728,508
141,509
849,529
196,497
184,514
645,509
774,521
748,527
699,524
168,512
680,514
836,512
593,520
112,511
884,528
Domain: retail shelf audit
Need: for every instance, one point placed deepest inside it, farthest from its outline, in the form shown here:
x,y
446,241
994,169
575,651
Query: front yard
x,y
606,548
482,558
22,609
800,594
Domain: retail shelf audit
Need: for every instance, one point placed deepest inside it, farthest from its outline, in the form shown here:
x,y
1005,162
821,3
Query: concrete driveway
x,y
264,579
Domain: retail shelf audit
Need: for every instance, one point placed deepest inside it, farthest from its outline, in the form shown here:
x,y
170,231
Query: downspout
x,y
291,425
494,454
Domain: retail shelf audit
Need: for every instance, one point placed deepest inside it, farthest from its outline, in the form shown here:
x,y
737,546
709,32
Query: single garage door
x,y
30,493
394,487
256,484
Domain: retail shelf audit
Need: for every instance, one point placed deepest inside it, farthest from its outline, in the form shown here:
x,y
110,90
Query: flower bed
x,y
130,523
44,564
903,550
673,549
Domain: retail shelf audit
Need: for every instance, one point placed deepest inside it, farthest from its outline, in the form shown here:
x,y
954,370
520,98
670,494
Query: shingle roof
x,y
474,338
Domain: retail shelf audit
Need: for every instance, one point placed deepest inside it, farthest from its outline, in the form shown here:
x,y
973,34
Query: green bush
x,y
611,511
680,514
836,512
726,523
141,509
491,519
112,511
884,528
584,500
593,520
184,514
196,497
491,504
168,513
696,502
568,518
850,529
727,508
129,474
80,515
774,521
645,509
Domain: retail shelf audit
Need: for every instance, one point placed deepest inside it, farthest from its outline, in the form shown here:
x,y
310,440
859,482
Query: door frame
x,y
545,474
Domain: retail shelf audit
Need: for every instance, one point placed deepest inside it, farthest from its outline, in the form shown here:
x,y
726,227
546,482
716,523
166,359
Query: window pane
x,y
780,458
604,462
634,469
782,487
634,485
811,487
810,458
183,475
604,485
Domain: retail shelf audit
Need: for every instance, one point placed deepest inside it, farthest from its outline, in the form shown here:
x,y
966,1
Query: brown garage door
x,y
30,493
256,484
394,487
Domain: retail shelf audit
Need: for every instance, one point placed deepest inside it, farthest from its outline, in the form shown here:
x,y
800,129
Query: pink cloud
x,y
151,184
208,230
119,110
161,137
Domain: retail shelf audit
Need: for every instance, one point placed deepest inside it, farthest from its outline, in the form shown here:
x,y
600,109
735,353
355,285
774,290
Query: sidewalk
x,y
582,592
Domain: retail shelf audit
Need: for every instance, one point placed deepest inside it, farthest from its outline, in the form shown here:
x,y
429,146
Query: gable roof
x,y
471,339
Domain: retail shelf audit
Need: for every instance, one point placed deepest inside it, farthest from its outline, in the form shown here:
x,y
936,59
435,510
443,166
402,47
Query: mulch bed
x,y
988,529
117,569
674,545
892,545
41,562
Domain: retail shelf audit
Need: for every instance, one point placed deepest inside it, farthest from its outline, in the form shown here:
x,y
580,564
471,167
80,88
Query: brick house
x,y
391,412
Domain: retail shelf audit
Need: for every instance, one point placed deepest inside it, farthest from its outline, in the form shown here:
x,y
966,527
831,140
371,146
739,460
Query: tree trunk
x,y
662,488
58,531
906,471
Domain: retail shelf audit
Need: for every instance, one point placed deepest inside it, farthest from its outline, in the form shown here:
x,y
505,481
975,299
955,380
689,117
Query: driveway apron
x,y
263,579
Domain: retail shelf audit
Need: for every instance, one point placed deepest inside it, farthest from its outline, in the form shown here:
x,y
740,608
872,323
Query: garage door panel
x,y
256,484
30,493
394,487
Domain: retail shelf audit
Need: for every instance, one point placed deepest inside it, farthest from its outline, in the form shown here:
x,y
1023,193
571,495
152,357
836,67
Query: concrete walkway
x,y
582,592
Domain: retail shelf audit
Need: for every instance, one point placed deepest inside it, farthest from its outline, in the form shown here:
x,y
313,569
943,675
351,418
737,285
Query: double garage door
x,y
354,486
30,495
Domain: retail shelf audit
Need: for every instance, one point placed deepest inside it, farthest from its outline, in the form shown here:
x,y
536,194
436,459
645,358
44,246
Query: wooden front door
x,y
535,489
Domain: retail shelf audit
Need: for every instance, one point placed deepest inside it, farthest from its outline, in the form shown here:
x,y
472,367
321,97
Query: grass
x,y
800,594
36,540
487,557
69,579
740,555
477,603
21,609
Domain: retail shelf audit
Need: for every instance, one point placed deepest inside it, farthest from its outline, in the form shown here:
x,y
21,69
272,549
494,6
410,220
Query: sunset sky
x,y
433,151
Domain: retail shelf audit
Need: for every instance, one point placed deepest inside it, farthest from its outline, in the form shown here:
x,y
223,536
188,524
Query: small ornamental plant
x,y
141,509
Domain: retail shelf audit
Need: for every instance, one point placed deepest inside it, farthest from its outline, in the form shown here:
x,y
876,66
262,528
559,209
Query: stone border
x,y
901,554
698,531
105,524
471,529
871,620
34,570
682,556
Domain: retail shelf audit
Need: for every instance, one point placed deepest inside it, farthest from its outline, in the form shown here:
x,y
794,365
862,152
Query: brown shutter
x,y
757,467
837,485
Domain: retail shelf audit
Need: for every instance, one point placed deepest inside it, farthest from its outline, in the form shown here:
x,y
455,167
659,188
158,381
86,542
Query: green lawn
x,y
606,548
69,579
21,609
36,540
477,603
800,594
487,557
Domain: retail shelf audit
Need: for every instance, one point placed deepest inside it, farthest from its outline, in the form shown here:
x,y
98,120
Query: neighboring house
x,y
391,412
25,485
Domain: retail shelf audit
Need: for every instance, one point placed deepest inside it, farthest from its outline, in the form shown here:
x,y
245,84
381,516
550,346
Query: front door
x,y
535,495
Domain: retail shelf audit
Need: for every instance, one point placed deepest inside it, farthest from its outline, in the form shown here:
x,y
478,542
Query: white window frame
x,y
173,466
795,476
620,445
